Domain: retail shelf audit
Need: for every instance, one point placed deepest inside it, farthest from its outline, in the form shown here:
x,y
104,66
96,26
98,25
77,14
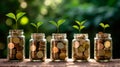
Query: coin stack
x,y
59,48
37,47
16,45
103,47
80,47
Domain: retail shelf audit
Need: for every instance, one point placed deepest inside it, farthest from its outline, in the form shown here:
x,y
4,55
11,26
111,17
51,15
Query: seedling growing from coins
x,y
58,23
37,25
104,26
80,25
16,17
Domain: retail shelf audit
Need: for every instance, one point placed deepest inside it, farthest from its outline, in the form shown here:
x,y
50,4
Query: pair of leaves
x,y
15,17
104,25
81,25
37,25
58,23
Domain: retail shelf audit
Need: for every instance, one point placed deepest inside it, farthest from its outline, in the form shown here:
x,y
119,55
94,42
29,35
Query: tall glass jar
x,y
80,47
59,47
37,47
103,47
16,45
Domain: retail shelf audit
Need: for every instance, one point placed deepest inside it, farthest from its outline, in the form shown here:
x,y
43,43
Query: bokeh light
x,y
24,20
43,11
23,4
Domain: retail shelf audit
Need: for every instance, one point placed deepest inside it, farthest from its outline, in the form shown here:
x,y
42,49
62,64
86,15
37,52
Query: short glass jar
x,y
37,47
80,47
103,47
59,47
16,45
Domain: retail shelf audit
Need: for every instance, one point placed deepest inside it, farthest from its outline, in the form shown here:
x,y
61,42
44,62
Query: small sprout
x,y
58,23
16,17
104,26
80,25
37,25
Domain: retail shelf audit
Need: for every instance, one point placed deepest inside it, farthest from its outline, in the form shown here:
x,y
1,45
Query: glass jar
x,y
80,47
16,45
59,47
37,47
103,47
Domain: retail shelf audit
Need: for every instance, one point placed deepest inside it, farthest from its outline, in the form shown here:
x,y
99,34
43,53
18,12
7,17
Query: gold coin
x,y
108,53
100,46
81,49
86,53
39,54
10,45
19,56
54,49
101,53
76,44
16,40
107,44
62,56
80,54
60,45
32,47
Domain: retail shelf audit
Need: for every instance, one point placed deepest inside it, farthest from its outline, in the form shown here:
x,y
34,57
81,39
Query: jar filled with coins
x,y
16,45
37,47
59,47
103,47
80,47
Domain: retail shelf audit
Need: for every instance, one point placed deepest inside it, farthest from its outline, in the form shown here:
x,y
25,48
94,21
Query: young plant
x,y
58,23
16,17
80,25
37,25
104,26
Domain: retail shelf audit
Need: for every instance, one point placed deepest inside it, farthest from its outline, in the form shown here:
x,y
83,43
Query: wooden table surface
x,y
69,63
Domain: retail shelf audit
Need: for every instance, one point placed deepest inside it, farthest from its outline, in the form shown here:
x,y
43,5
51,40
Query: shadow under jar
x,y
16,45
80,47
59,47
37,47
103,47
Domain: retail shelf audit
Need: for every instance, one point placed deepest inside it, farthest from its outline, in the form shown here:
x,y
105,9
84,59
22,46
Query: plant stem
x,y
57,29
16,23
37,30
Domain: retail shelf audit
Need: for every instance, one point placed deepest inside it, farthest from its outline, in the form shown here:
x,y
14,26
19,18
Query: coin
x,y
81,49
108,53
107,44
10,45
62,56
86,53
80,54
39,54
32,47
55,50
19,55
101,53
76,44
100,46
60,45
16,40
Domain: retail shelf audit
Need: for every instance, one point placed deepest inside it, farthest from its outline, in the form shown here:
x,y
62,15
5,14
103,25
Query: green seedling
x,y
80,25
58,23
37,25
16,17
104,26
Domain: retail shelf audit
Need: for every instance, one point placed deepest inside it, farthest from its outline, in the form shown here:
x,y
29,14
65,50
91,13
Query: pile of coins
x,y
81,49
16,48
59,50
103,49
37,50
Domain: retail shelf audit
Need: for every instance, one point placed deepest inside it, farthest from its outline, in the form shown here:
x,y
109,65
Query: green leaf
x,y
83,22
76,27
20,14
78,22
102,25
54,23
33,24
107,25
39,24
11,15
60,22
81,27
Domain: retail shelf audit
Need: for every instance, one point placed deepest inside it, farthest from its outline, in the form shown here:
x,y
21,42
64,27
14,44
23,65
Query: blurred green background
x,y
94,11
